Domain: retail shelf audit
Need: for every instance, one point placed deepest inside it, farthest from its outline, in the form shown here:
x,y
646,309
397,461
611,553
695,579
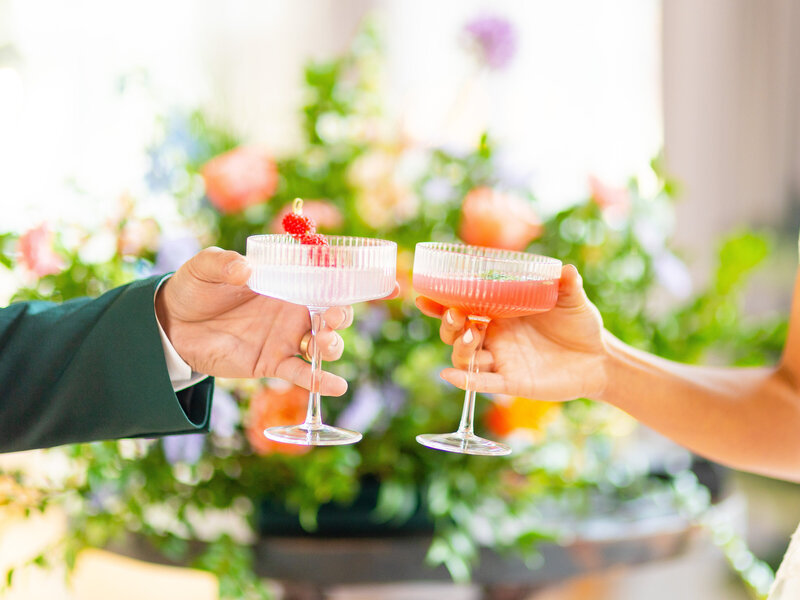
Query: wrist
x,y
610,365
162,311
623,368
169,324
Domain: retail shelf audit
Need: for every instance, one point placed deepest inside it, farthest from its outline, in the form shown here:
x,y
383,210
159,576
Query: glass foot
x,y
324,435
463,443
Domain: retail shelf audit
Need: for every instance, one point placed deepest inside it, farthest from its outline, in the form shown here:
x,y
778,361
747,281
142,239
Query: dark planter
x,y
356,520
350,547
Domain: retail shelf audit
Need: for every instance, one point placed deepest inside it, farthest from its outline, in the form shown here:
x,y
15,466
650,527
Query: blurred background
x,y
664,130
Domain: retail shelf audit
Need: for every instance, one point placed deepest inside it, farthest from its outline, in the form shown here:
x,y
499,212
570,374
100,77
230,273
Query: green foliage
x,y
233,563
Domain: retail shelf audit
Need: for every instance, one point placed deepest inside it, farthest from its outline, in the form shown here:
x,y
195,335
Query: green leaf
x,y
739,254
498,276
459,569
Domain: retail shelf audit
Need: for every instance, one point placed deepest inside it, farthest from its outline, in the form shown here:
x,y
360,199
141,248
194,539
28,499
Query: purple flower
x,y
371,322
363,409
102,497
394,398
173,252
495,40
372,407
438,190
673,274
513,170
186,448
225,414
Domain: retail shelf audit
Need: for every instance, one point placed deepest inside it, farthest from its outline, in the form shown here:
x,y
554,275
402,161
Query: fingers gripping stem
x,y
314,414
479,326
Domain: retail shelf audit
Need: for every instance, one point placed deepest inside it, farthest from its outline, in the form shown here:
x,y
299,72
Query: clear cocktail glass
x,y
484,284
346,271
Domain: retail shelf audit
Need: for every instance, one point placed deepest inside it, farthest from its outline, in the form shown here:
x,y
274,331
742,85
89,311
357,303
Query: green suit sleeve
x,y
90,369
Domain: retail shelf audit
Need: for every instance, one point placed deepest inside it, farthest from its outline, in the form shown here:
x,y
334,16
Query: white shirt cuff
x,y
180,373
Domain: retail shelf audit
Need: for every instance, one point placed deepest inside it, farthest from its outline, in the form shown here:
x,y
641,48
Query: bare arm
x,y
748,418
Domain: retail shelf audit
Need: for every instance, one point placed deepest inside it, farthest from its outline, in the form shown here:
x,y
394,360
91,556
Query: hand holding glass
x,y
485,284
346,271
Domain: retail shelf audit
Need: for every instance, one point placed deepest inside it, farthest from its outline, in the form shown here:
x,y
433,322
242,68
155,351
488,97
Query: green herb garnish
x,y
498,276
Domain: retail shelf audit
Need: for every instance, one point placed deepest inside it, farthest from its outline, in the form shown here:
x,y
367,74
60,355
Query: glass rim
x,y
517,256
278,238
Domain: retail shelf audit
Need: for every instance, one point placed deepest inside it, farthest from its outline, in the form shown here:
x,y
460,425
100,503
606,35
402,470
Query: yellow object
x,y
508,414
100,575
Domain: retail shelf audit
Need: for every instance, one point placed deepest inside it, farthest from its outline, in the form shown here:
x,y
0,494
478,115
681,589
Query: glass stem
x,y
478,325
314,414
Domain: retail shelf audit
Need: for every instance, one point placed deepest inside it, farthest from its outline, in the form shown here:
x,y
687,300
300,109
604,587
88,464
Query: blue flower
x,y
186,448
169,157
495,40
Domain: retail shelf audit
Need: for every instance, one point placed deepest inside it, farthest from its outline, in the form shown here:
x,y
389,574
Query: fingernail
x,y
334,343
468,337
235,267
449,318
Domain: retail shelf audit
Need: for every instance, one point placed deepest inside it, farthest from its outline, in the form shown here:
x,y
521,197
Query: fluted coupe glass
x,y
346,271
485,284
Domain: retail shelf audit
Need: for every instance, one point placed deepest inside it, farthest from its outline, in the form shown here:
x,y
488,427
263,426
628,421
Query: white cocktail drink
x,y
343,271
319,286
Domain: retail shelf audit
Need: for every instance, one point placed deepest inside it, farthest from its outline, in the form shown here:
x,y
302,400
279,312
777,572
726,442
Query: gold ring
x,y
304,346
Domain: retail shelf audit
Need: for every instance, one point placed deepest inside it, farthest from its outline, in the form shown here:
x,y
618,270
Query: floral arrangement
x,y
360,175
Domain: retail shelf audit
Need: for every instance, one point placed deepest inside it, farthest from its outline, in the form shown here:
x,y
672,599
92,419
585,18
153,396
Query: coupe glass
x,y
485,284
347,270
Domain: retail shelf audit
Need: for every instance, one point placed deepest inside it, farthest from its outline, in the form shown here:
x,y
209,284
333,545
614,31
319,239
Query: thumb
x,y
215,265
570,288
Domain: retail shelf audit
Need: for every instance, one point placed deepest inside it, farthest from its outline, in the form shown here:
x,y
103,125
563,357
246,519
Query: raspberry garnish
x,y
313,239
303,229
297,225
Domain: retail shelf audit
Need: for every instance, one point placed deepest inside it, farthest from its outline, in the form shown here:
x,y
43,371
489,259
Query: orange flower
x,y
240,178
617,199
282,404
36,253
324,214
508,414
499,220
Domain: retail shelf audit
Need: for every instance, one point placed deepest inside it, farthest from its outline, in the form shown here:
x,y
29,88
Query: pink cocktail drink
x,y
485,284
491,297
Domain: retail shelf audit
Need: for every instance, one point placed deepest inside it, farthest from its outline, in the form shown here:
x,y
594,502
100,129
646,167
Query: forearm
x,y
748,418
88,370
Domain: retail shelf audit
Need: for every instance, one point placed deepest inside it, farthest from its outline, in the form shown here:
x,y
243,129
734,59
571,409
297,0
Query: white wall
x,y
581,97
